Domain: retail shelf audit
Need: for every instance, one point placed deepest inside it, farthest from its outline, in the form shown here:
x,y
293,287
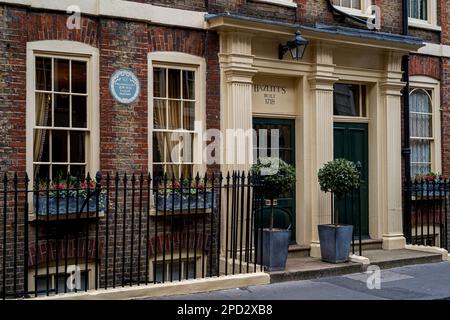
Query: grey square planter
x,y
335,242
275,247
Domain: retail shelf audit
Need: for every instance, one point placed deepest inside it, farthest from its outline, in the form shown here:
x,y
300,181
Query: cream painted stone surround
x,y
390,109
251,49
321,91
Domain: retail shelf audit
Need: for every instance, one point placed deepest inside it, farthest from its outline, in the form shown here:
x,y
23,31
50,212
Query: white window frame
x,y
65,49
182,61
431,22
430,84
287,3
356,119
363,12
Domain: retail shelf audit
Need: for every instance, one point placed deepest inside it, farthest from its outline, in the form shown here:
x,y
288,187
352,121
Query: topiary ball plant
x,y
339,177
277,176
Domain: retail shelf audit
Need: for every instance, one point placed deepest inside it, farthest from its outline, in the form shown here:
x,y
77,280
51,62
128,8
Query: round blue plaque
x,y
124,86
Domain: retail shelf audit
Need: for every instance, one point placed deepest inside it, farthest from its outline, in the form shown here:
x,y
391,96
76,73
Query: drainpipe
x,y
406,152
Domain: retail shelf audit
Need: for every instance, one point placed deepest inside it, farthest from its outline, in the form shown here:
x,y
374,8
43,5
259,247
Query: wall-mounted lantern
x,y
297,47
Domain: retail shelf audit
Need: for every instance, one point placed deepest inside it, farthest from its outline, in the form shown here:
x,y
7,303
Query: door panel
x,y
351,142
286,129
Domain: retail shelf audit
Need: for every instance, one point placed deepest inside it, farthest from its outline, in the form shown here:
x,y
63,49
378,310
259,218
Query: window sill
x,y
285,3
65,217
424,25
184,212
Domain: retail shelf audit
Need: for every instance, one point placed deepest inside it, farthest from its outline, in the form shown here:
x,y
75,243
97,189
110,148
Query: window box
x,y
181,201
68,205
430,191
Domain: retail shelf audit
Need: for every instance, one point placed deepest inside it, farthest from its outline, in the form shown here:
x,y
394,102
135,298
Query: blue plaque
x,y
124,86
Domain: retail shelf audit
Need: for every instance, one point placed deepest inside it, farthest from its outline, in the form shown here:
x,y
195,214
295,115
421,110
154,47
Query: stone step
x,y
301,251
305,268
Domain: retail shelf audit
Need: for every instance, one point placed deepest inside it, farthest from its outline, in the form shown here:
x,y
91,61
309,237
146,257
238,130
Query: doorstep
x,y
305,268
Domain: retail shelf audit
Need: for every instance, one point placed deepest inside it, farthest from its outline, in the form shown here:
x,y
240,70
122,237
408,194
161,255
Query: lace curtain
x,y
418,9
421,132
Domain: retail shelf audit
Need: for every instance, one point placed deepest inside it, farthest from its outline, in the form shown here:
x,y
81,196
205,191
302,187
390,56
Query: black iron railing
x,y
72,234
426,223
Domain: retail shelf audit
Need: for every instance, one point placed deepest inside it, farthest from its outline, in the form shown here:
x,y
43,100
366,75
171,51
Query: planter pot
x,y
181,202
68,205
275,247
335,242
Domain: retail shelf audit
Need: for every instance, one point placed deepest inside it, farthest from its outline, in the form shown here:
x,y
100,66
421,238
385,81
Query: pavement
x,y
414,282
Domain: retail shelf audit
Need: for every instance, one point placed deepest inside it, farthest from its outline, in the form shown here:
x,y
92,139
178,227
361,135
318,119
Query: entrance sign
x,y
124,86
274,95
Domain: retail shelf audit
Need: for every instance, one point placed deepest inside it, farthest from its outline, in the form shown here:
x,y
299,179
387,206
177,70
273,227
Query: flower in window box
x,y
429,185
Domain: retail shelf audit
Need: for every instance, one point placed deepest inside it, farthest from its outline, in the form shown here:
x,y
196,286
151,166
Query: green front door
x,y
286,202
351,142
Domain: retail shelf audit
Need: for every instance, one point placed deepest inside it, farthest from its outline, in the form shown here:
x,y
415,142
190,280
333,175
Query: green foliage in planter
x,y
278,176
339,177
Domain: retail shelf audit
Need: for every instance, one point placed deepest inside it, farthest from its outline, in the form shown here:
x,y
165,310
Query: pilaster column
x,y
236,62
321,84
390,91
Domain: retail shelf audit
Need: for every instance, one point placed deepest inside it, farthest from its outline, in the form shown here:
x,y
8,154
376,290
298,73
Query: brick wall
x,y
123,128
445,119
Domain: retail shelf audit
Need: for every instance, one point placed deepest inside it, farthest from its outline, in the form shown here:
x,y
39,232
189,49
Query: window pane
x,y
62,102
174,114
41,171
187,170
43,73
43,109
158,171
188,115
159,82
414,9
79,80
79,112
78,171
423,9
346,100
59,146
172,146
174,84
356,4
421,125
41,146
173,170
77,147
346,3
159,114
420,102
186,147
61,75
59,171
158,147
62,282
189,85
